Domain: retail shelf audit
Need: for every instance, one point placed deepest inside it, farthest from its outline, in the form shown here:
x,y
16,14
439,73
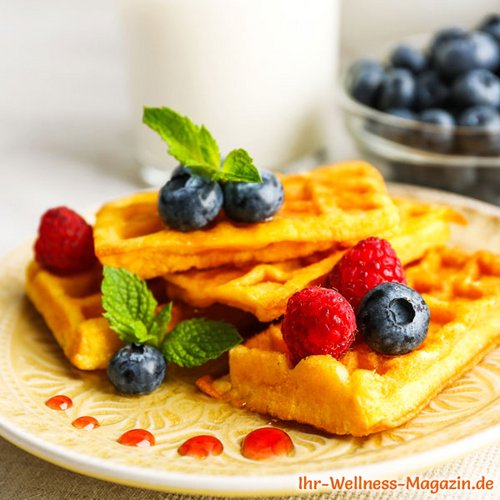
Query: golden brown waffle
x,y
71,307
365,392
339,203
264,289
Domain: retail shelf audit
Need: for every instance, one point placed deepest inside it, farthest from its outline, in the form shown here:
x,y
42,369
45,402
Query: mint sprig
x,y
129,305
194,341
130,310
194,147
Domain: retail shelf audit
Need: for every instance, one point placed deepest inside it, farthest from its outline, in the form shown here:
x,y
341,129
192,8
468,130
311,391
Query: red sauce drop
x,y
201,447
137,437
59,403
86,423
267,442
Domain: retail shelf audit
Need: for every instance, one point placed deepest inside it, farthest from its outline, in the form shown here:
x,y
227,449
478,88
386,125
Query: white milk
x,y
258,73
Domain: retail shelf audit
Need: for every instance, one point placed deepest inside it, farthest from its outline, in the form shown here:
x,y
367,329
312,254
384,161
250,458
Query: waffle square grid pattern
x,y
323,207
264,289
368,392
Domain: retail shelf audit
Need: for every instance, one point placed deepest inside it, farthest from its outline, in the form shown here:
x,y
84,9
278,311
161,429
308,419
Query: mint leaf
x,y
128,303
193,342
162,319
193,146
209,148
238,167
130,308
141,333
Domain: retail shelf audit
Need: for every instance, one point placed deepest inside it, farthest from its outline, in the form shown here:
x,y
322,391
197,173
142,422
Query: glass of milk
x,y
259,74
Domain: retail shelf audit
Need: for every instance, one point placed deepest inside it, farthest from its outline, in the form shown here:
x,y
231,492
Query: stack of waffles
x,y
246,273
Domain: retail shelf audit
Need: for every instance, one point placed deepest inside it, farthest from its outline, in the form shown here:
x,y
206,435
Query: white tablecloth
x,y
65,140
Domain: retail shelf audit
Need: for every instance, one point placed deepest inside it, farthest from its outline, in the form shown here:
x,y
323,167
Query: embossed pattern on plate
x,y
34,369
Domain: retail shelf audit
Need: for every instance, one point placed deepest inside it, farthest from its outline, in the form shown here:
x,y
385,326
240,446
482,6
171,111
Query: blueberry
x,y
393,319
397,90
187,201
438,117
491,25
480,116
430,91
363,80
478,86
443,36
439,137
179,171
407,57
476,50
137,369
484,137
252,201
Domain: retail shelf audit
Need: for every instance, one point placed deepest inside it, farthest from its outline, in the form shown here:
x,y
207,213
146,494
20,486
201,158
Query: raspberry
x,y
65,242
318,321
371,262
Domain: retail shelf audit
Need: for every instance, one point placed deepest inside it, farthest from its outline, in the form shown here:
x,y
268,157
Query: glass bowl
x,y
464,160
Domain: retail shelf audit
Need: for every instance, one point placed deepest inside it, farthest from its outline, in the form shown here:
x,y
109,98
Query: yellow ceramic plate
x,y
461,419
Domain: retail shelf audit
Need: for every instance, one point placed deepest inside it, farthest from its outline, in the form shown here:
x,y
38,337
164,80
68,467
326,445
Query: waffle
x,y
339,203
365,392
72,309
264,289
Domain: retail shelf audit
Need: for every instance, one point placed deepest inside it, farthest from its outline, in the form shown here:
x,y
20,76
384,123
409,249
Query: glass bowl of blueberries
x,y
431,115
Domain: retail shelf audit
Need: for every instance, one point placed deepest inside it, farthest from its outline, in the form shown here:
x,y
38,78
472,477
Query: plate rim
x,y
238,485
260,485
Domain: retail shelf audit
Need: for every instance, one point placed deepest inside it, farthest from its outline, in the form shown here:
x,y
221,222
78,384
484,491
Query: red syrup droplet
x,y
201,447
137,437
86,423
59,403
267,442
